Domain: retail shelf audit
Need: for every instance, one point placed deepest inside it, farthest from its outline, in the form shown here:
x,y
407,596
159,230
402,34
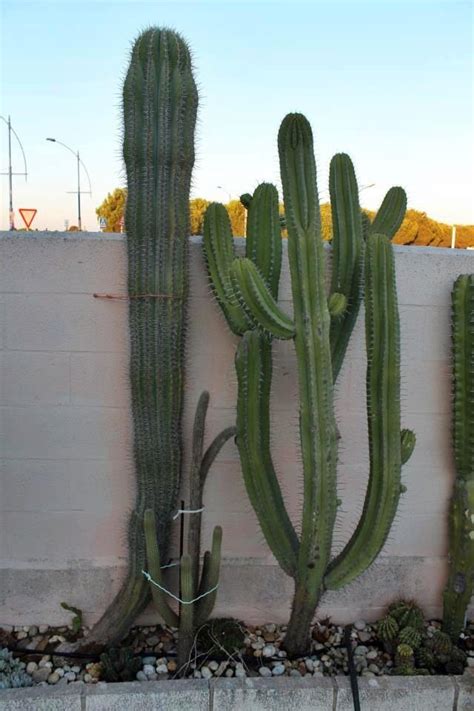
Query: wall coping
x,y
283,694
197,239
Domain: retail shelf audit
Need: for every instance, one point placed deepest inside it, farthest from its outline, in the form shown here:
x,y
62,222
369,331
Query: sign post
x,y
27,215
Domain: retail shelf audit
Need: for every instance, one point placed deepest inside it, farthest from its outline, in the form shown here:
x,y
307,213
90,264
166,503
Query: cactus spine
x,y
247,290
192,614
159,112
460,586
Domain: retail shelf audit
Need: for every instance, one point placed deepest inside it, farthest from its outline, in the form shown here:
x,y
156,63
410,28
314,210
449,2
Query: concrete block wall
x,y
67,482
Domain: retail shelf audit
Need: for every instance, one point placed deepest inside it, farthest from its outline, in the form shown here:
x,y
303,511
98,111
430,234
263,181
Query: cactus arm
x,y
154,569
218,246
390,214
263,244
383,404
253,365
213,450
257,299
347,254
312,345
186,618
460,584
209,579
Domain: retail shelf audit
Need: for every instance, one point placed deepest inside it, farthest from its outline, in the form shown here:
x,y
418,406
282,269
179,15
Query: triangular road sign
x,y
27,215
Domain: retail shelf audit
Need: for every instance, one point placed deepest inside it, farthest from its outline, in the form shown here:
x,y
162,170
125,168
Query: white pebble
x,y
206,673
268,650
141,676
21,635
197,674
149,669
60,671
373,654
162,669
53,678
213,666
309,664
31,667
265,671
278,670
229,672
359,625
70,676
76,669
87,678
470,661
42,629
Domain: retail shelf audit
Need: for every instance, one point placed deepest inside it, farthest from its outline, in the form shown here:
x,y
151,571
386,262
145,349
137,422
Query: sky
x,y
390,83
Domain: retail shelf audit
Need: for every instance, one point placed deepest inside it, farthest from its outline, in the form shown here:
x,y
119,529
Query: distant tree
x,y
73,228
112,209
236,213
197,208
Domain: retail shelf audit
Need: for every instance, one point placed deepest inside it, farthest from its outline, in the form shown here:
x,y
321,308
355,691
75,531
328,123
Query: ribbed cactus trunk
x,y
320,328
460,586
159,112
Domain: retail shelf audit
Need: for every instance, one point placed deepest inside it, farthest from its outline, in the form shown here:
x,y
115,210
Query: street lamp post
x,y
220,187
10,173
78,191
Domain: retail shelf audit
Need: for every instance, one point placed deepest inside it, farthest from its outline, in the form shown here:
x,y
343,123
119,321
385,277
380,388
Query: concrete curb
x,y
435,693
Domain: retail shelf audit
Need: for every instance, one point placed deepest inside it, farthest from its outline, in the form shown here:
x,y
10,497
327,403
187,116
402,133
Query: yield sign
x,y
28,215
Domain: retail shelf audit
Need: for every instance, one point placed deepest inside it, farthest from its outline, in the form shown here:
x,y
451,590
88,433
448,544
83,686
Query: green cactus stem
x,y
387,628
159,114
320,330
460,585
194,583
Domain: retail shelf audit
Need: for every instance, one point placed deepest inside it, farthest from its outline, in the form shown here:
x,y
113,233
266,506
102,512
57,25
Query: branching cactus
x,y
159,112
198,590
247,291
460,587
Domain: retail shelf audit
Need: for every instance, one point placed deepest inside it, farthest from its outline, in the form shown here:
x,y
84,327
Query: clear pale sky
x,y
388,82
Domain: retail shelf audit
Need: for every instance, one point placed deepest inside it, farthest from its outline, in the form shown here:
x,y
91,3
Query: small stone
x,y
281,654
152,641
149,669
257,653
162,669
60,671
70,676
373,654
56,638
294,672
360,650
7,628
172,666
229,672
45,664
87,678
31,667
42,629
359,625
269,650
277,670
53,678
213,666
148,660
76,669
141,676
265,671
21,635
222,668
197,674
470,662
152,677
206,673
365,636
240,671
40,675
374,668
309,664
33,631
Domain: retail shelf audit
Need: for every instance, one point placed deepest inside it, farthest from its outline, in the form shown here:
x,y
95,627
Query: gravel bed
x,y
260,656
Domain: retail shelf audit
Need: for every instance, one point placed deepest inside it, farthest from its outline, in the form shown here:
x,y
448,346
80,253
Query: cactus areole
x,y
247,291
159,114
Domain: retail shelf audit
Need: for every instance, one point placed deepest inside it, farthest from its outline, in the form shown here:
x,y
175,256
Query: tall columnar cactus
x,y
204,587
247,290
159,112
460,587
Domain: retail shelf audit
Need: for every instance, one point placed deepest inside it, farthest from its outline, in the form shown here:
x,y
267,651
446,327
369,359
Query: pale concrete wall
x,y
67,480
